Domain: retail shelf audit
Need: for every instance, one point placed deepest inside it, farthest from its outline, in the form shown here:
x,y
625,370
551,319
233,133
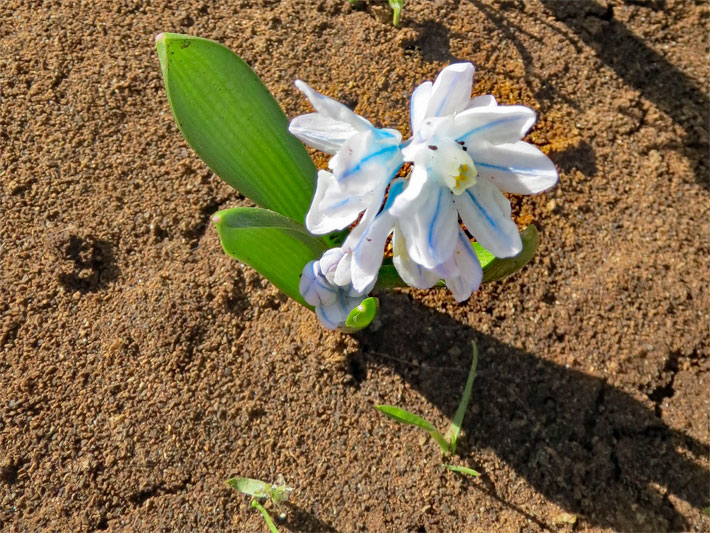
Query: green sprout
x,y
259,490
447,442
396,6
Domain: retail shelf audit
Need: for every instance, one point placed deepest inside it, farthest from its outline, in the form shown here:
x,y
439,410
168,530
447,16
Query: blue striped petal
x,y
493,124
451,91
411,273
314,288
518,168
332,208
428,222
367,161
486,213
469,273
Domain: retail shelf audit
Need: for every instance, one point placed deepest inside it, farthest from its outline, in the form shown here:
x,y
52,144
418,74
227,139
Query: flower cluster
x,y
465,152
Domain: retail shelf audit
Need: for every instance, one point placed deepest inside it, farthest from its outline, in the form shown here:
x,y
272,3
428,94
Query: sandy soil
x,y
140,367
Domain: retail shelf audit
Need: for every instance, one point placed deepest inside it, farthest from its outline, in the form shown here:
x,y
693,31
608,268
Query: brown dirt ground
x,y
141,367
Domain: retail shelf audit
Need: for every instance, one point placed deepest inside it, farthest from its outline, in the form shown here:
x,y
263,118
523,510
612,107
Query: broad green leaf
x,y
405,417
234,124
452,434
493,267
267,517
251,487
500,268
462,470
276,246
362,315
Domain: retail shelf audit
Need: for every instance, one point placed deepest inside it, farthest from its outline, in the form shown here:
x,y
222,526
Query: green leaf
x,y
267,518
405,417
493,267
251,487
234,124
452,434
462,470
276,246
360,317
500,268
484,256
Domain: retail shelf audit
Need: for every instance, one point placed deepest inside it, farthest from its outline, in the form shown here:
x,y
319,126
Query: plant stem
x,y
265,514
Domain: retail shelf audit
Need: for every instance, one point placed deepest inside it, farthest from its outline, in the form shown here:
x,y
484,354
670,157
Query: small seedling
x,y
260,492
396,6
447,442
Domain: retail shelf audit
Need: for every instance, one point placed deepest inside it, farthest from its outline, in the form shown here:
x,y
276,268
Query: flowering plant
x,y
463,154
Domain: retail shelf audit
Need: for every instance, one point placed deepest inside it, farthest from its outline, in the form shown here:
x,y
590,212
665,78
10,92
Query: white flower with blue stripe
x,y
466,153
365,159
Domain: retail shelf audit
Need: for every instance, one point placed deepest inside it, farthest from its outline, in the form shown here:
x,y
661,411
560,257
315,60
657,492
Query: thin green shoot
x,y
267,518
447,442
396,6
462,470
260,490
452,434
405,417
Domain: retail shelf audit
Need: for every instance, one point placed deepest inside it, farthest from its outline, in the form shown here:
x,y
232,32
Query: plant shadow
x,y
298,519
591,448
670,89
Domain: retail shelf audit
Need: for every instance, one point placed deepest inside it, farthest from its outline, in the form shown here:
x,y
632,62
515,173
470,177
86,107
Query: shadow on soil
x,y
301,520
91,264
591,448
671,90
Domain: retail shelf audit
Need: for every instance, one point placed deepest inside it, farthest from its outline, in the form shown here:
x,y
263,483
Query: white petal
x,y
469,269
332,108
314,287
418,105
332,208
448,269
329,263
413,191
368,161
331,316
486,213
429,225
368,254
413,274
321,132
451,92
518,168
493,124
343,276
334,316
482,101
